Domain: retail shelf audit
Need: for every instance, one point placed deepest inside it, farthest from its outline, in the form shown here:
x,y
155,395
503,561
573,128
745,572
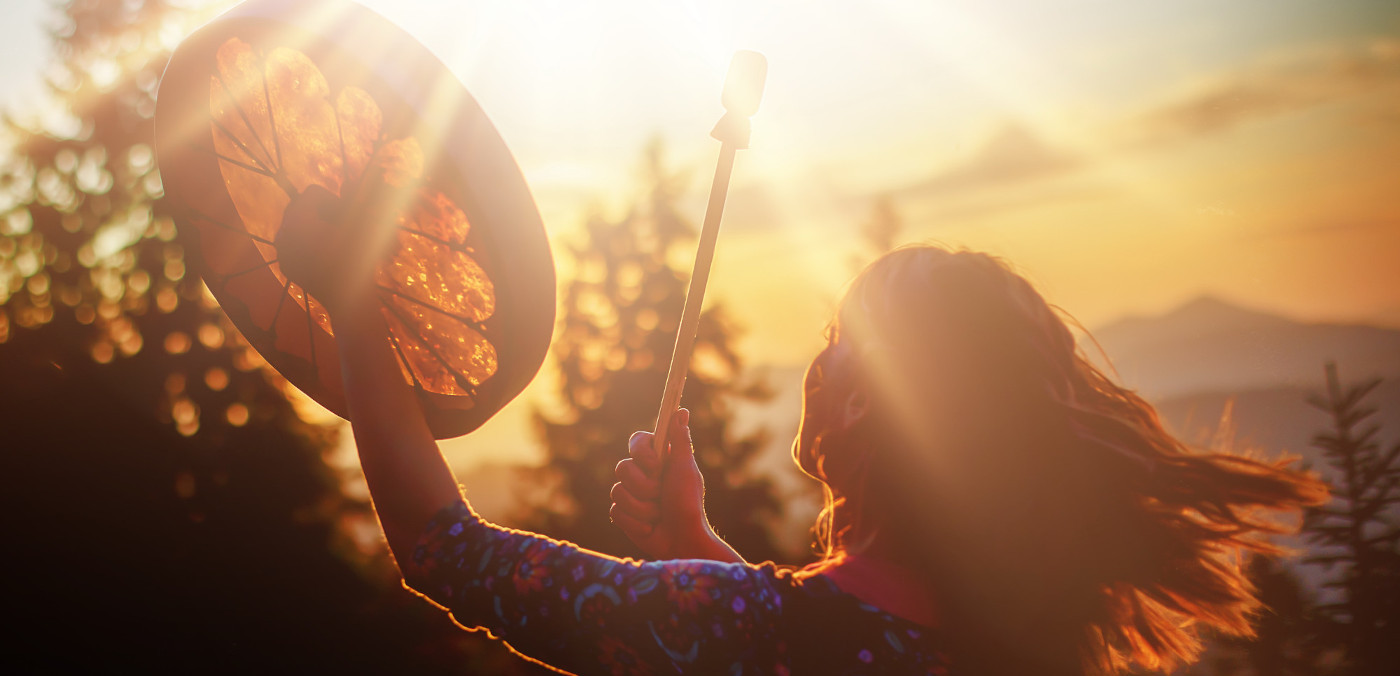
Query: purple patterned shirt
x,y
589,613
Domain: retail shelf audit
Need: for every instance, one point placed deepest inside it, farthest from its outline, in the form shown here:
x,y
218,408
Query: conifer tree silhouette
x,y
619,318
165,506
1358,531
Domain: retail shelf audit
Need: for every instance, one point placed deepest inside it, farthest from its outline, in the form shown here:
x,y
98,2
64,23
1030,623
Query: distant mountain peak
x,y
1205,314
1219,312
1211,344
1209,303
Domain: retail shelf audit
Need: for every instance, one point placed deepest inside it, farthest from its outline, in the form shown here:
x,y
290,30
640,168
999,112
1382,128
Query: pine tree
x,y
165,504
620,313
1286,642
1358,529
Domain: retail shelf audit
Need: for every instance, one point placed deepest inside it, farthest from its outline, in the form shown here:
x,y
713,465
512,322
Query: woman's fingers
x,y
642,445
648,479
630,525
302,241
642,449
679,438
644,511
636,480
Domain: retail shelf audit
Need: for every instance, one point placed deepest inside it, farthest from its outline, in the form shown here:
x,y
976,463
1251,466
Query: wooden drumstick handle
x,y
743,88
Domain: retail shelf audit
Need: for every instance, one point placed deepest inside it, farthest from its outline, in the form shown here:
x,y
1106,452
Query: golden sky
x,y
1127,156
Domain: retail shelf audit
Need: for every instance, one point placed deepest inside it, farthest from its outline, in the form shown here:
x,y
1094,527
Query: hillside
x,y
1271,421
1209,345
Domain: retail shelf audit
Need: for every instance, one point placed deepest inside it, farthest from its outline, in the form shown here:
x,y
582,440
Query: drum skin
x,y
276,95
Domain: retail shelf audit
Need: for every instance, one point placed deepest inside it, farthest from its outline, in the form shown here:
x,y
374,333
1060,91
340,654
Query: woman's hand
x,y
659,502
331,246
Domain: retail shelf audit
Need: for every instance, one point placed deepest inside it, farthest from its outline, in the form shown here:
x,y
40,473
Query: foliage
x,y
1356,533
619,319
167,506
1288,630
1358,530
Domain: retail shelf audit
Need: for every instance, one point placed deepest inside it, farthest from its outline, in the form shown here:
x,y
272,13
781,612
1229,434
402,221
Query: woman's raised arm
x,y
409,480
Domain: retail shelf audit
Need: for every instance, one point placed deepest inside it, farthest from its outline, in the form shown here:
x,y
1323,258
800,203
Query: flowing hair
x,y
1062,528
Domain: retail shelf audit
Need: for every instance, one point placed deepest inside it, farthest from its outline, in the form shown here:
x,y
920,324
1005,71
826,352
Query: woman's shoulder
x,y
832,631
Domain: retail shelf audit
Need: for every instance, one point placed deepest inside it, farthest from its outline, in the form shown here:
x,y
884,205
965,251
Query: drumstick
x,y
743,88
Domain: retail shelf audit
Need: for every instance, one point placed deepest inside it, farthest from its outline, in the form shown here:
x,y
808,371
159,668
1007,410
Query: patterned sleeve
x,y
589,613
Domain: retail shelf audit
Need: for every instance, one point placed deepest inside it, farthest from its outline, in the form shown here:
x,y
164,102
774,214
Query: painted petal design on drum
x,y
277,129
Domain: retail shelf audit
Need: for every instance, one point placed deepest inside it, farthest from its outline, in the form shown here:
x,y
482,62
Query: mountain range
x,y
1209,345
1222,374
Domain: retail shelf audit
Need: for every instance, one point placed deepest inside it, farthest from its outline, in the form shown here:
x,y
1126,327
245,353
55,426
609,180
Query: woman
x,y
994,505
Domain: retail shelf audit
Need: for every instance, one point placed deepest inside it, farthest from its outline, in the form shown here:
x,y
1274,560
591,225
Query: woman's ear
x,y
856,407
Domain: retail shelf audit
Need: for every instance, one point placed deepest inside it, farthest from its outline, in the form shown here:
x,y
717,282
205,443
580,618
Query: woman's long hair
x,y
1063,530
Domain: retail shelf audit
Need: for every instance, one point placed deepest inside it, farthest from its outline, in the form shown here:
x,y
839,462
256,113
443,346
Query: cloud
x,y
1013,154
1012,167
1292,82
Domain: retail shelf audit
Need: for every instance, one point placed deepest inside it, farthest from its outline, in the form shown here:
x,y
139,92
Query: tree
x,y
620,313
1358,530
1286,642
1288,638
165,505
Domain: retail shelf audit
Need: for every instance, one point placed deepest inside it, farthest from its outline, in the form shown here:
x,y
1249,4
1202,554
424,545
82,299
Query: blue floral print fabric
x,y
587,613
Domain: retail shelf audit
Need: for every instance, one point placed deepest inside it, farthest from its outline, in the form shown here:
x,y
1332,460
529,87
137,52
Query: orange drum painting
x,y
273,98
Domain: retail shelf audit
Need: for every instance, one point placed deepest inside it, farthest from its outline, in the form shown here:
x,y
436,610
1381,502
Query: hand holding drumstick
x,y
648,501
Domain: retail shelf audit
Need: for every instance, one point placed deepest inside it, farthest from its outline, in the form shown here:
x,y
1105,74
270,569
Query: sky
x,y
1126,156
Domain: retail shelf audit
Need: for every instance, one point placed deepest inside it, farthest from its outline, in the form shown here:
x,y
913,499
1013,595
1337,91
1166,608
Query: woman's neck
x,y
880,581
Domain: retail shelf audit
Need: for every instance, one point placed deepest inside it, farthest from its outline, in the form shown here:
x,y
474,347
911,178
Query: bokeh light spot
x,y
216,379
166,299
177,342
211,336
237,415
174,270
